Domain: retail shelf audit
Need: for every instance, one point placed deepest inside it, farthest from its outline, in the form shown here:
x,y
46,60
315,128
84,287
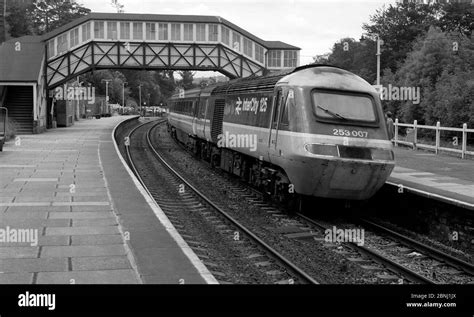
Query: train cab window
x,y
342,106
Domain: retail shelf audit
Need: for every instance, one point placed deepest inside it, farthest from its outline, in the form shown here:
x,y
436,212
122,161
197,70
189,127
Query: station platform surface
x,y
92,222
450,178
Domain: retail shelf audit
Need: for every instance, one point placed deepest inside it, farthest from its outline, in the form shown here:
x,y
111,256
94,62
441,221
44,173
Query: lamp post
x,y
379,42
149,105
107,81
140,99
123,95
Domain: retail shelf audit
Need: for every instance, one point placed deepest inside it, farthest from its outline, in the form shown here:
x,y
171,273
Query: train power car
x,y
316,130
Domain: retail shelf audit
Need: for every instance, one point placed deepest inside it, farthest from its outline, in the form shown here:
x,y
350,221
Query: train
x,y
312,131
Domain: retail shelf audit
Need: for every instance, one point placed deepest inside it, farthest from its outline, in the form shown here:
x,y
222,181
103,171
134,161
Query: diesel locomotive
x,y
315,130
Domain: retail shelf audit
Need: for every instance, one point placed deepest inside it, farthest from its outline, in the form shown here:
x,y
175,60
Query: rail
x,y
412,137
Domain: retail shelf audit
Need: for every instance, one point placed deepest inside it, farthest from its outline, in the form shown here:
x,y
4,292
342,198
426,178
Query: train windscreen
x,y
344,107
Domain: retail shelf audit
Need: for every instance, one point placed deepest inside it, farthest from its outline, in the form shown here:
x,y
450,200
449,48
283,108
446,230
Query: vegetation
x,y
425,46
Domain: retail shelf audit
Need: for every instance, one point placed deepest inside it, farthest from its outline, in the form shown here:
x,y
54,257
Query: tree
x,y
454,99
150,91
355,56
187,78
444,76
51,14
116,79
398,26
19,21
458,17
118,6
166,83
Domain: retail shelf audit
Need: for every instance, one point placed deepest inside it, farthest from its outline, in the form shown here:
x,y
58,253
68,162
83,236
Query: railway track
x,y
441,256
404,274
393,266
396,238
199,204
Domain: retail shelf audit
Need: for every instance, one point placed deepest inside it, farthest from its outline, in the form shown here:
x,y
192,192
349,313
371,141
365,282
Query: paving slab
x,y
16,278
100,263
97,239
34,265
84,230
13,252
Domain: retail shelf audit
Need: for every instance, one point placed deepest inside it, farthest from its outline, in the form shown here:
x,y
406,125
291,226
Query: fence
x,y
413,134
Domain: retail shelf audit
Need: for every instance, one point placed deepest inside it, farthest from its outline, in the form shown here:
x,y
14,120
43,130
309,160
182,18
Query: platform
x,y
93,223
442,177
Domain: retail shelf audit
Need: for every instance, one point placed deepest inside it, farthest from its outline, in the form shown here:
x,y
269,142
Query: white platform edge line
x,y
434,196
188,252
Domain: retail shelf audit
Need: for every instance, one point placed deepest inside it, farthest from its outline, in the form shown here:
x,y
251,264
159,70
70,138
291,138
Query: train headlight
x,y
382,155
322,149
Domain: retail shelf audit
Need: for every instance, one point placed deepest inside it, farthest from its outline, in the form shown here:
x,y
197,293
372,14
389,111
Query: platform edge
x,y
426,194
188,252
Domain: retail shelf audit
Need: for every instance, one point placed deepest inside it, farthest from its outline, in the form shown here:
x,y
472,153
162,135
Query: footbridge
x,y
151,41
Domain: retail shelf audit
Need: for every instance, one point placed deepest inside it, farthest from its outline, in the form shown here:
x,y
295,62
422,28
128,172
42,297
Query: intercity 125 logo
x,y
251,104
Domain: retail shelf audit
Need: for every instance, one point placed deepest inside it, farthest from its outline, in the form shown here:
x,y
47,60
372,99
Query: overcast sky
x,y
312,25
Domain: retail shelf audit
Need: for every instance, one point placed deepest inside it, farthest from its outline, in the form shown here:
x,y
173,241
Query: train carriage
x,y
314,131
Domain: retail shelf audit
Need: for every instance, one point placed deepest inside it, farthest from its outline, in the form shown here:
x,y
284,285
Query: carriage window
x,y
343,107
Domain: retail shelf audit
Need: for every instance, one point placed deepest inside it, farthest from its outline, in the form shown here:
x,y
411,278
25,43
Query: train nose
x,y
353,180
347,172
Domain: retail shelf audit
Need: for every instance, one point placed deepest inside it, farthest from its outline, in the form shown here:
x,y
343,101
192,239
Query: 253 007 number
x,y
353,133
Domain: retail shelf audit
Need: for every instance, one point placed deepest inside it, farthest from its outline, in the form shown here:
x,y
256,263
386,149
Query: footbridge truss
x,y
160,42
